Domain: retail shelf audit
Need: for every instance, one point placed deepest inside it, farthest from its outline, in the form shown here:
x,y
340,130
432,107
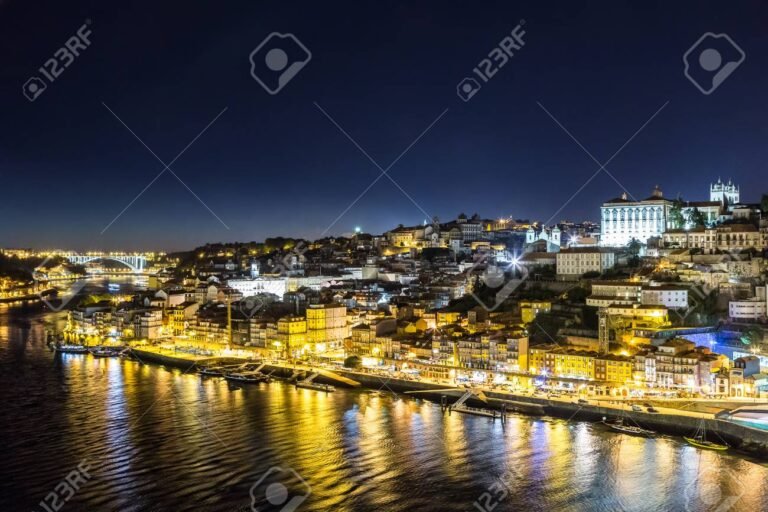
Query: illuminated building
x,y
573,263
621,321
731,237
623,219
327,324
727,193
529,309
291,335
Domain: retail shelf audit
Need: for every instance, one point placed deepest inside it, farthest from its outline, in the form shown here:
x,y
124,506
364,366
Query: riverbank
x,y
676,422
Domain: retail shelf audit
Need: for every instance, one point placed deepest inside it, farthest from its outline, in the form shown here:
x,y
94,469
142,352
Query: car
x,y
637,408
582,401
652,410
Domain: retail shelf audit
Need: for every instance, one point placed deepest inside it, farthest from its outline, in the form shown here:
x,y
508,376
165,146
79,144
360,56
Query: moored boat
x,y
700,442
699,439
102,352
618,425
212,371
70,349
249,377
317,387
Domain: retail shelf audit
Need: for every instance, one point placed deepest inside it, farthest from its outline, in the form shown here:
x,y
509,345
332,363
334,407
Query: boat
x,y
212,371
250,377
317,387
619,426
703,443
102,352
70,349
476,411
699,439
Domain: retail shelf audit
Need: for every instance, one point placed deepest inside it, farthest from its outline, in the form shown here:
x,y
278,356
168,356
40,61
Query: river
x,y
148,438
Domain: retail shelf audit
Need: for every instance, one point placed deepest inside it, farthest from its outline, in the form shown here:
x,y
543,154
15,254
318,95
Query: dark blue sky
x,y
275,165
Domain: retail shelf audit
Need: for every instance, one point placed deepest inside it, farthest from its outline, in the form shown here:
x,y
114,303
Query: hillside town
x,y
661,297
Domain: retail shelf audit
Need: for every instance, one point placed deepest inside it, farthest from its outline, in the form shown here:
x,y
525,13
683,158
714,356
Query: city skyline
x,y
287,164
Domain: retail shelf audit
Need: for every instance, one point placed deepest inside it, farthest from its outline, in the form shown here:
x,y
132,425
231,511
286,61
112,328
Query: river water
x,y
150,438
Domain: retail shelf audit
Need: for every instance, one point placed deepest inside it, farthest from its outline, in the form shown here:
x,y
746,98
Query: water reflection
x,y
175,441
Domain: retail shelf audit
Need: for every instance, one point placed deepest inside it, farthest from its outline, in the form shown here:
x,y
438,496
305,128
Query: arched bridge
x,y
136,262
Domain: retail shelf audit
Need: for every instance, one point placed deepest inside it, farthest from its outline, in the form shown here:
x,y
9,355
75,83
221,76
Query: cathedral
x,y
724,193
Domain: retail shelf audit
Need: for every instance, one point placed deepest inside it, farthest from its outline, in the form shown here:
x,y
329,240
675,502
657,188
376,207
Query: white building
x,y
551,236
673,297
727,193
755,308
250,287
623,220
606,293
577,261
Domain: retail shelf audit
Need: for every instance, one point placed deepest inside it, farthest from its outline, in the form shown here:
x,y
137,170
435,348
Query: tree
x,y
676,218
634,247
764,203
696,217
353,362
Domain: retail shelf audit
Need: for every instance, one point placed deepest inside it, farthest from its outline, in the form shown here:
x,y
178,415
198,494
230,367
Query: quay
x,y
678,422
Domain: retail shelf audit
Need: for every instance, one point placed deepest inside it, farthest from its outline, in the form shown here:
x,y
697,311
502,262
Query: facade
x,y
731,237
724,193
577,261
255,286
606,293
623,220
672,297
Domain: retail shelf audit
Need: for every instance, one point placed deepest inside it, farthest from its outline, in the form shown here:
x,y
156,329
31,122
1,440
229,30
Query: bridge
x,y
135,261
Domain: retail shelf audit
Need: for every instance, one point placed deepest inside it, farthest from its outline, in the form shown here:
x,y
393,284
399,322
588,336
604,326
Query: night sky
x,y
276,165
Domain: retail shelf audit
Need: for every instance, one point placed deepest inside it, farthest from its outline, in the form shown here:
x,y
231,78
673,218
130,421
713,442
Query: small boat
x,y
699,442
317,387
476,411
102,352
70,349
245,377
212,371
699,439
619,426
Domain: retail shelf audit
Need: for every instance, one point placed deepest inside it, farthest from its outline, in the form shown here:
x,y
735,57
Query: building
x,y
670,296
573,263
552,237
724,193
623,220
730,237
256,286
753,309
326,326
529,309
606,293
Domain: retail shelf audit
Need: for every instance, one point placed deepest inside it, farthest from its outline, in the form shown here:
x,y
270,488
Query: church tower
x,y
727,193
